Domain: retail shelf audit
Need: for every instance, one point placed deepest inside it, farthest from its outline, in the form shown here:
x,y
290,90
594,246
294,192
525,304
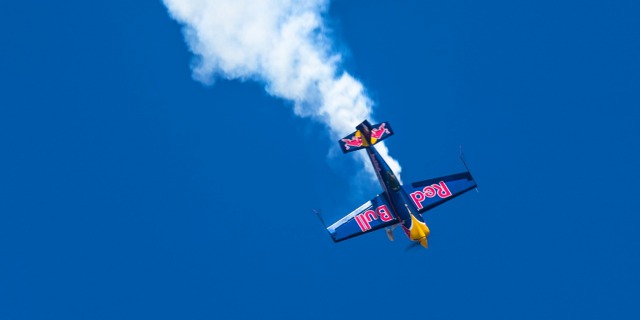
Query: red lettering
x,y
417,198
383,213
443,190
429,192
370,215
361,223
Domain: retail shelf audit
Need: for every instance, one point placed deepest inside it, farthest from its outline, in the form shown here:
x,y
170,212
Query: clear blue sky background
x,y
130,191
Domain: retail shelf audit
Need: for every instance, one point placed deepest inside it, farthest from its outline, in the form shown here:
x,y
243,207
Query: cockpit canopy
x,y
391,181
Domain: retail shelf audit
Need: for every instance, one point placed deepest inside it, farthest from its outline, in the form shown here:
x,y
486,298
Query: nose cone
x,y
419,231
424,242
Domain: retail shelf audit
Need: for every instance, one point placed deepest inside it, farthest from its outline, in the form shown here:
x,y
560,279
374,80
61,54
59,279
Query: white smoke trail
x,y
282,43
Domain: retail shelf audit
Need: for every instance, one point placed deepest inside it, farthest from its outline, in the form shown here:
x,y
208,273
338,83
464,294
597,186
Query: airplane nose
x,y
424,242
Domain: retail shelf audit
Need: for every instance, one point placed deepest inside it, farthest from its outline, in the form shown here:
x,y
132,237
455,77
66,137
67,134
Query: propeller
x,y
415,244
412,246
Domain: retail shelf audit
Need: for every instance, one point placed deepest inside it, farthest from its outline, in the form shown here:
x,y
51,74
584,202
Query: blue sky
x,y
129,190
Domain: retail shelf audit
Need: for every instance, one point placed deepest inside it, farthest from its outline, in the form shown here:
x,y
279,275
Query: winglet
x,y
317,213
465,164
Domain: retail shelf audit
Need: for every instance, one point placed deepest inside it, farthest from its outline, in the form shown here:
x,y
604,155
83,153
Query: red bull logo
x,y
364,219
440,189
355,142
378,132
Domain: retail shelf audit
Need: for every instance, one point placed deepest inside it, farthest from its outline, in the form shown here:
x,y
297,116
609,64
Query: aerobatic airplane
x,y
397,204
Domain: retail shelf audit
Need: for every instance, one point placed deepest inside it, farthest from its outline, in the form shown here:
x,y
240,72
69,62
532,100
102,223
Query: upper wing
x,y
372,215
430,193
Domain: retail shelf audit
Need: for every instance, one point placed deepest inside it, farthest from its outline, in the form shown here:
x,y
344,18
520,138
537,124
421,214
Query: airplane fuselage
x,y
397,204
412,222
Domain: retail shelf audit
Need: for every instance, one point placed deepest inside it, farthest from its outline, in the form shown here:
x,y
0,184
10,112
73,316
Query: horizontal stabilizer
x,y
366,135
353,142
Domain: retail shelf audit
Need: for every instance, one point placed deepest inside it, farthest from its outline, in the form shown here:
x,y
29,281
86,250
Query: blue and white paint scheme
x,y
397,204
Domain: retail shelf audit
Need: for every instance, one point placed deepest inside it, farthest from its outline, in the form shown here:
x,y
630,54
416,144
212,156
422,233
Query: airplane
x,y
397,204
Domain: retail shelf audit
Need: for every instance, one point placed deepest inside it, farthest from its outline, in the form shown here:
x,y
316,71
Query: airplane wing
x,y
372,215
430,193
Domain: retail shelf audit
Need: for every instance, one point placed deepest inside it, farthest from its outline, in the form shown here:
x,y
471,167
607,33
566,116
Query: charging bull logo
x,y
378,132
363,219
439,189
356,142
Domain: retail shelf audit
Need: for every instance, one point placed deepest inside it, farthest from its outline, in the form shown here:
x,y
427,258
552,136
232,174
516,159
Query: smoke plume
x,y
283,44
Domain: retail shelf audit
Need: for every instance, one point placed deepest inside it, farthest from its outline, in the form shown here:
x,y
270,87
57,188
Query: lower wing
x,y
372,215
433,192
